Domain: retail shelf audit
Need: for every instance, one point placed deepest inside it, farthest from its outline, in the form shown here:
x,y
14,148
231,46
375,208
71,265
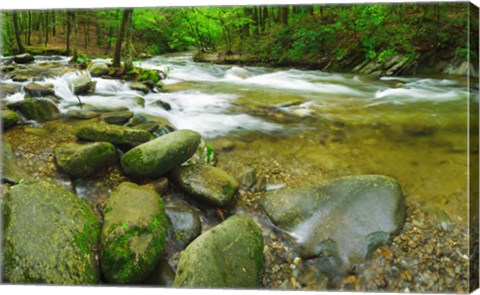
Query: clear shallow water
x,y
316,125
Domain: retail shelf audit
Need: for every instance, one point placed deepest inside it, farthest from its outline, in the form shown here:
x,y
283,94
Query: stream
x,y
298,128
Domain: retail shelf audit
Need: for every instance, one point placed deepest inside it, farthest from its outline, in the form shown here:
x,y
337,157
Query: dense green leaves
x,y
272,34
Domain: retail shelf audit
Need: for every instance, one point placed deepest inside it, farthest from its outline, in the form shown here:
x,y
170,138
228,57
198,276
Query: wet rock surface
x,y
343,220
227,256
63,252
133,233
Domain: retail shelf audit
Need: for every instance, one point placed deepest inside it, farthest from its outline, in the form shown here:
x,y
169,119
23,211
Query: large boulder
x,y
24,58
83,160
155,158
98,69
37,90
82,84
9,119
133,233
113,134
50,236
342,220
230,255
206,183
11,172
37,109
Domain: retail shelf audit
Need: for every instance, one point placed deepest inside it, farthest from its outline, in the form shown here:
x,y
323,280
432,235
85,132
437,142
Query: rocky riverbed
x,y
176,200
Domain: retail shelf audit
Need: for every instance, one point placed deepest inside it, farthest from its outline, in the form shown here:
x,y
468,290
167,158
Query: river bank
x,y
294,128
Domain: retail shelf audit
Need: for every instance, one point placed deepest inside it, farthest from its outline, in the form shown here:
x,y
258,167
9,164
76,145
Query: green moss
x,y
134,233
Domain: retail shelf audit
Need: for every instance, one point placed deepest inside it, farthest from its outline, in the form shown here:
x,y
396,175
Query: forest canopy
x,y
289,34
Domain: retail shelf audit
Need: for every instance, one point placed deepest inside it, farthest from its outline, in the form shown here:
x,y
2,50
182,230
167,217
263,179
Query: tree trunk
x,y
69,31
118,45
128,64
46,28
75,38
20,47
54,23
29,34
285,15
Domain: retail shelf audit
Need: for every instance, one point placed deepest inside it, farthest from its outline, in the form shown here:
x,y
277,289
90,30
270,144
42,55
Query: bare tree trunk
x,y
20,47
285,15
46,28
54,23
128,64
75,38
118,45
69,30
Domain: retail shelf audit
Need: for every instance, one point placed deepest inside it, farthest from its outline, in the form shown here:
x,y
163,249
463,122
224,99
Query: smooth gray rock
x,y
344,219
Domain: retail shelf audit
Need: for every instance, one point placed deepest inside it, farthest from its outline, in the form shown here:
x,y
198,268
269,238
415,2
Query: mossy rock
x,y
7,89
206,184
344,218
37,90
24,58
50,236
98,69
139,86
83,160
113,134
82,114
37,109
82,84
117,118
155,158
9,119
230,255
133,233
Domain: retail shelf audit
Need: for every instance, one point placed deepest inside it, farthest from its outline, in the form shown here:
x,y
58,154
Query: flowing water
x,y
300,127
